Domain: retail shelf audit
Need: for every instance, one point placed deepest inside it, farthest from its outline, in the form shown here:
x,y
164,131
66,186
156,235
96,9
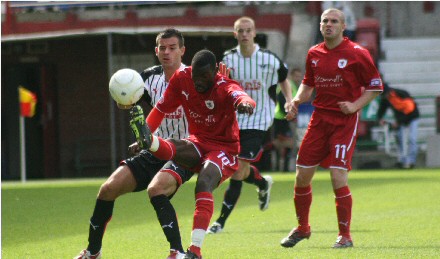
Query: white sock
x,y
154,144
197,237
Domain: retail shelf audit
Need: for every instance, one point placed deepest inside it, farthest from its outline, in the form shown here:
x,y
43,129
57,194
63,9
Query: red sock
x,y
344,203
204,210
202,216
303,200
195,250
166,150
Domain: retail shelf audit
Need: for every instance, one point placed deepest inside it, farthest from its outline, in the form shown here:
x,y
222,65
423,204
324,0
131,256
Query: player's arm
x,y
242,102
154,119
352,107
370,78
245,104
286,89
303,95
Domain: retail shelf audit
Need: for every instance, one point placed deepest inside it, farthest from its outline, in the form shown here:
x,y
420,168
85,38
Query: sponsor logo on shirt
x,y
209,104
336,81
250,85
376,82
315,62
175,115
237,94
342,63
210,120
197,118
221,81
186,95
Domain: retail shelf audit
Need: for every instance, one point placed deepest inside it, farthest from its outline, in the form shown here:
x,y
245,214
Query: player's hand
x,y
291,109
124,107
245,108
347,107
134,149
223,69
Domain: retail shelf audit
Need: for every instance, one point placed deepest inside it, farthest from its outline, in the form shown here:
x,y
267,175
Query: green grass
x,y
396,214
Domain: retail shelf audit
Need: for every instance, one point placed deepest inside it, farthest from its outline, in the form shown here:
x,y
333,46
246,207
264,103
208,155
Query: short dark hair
x,y
203,58
169,33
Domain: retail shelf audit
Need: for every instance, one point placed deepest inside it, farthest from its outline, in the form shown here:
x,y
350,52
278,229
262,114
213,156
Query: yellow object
x,y
28,100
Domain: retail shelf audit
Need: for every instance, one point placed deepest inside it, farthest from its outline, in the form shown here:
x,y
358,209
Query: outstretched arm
x,y
154,119
245,104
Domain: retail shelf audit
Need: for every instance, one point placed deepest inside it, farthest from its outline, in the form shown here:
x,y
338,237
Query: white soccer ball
x,y
126,86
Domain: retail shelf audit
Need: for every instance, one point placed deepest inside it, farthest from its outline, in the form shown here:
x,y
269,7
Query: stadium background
x,y
65,52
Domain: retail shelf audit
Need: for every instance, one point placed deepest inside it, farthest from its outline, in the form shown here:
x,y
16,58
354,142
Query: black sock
x,y
168,220
231,197
255,178
101,216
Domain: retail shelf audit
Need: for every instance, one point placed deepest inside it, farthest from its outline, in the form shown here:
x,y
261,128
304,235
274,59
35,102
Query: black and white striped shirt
x,y
174,125
257,75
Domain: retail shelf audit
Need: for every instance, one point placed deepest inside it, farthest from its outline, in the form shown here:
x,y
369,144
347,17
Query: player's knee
x,y
204,185
302,180
158,189
108,191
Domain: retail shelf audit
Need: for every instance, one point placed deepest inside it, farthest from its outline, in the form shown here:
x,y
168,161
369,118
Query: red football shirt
x,y
339,74
211,115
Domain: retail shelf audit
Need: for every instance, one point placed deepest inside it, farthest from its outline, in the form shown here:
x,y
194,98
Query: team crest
x,y
209,104
342,63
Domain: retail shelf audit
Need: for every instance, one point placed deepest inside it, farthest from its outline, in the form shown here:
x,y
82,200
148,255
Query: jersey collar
x,y
257,47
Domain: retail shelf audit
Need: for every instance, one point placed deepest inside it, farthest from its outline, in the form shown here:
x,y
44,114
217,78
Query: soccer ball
x,y
126,86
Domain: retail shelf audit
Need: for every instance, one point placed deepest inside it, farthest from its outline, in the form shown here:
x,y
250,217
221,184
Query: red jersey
x,y
339,74
211,115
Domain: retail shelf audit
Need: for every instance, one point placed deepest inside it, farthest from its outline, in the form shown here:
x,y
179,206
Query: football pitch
x,y
396,214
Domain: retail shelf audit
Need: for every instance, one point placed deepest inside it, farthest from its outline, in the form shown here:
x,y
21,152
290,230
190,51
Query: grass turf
x,y
396,214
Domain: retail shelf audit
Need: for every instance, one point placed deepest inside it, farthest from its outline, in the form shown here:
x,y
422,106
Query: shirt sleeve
x,y
308,76
239,96
282,71
368,73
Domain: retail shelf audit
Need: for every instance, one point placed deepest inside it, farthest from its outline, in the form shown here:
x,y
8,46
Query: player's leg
x,y
303,200
161,189
264,184
343,201
120,182
343,142
218,167
251,149
312,151
413,149
181,151
133,175
209,177
230,199
251,144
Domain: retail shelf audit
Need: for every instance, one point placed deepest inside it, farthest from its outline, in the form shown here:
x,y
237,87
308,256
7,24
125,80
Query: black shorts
x,y
145,166
282,127
251,144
